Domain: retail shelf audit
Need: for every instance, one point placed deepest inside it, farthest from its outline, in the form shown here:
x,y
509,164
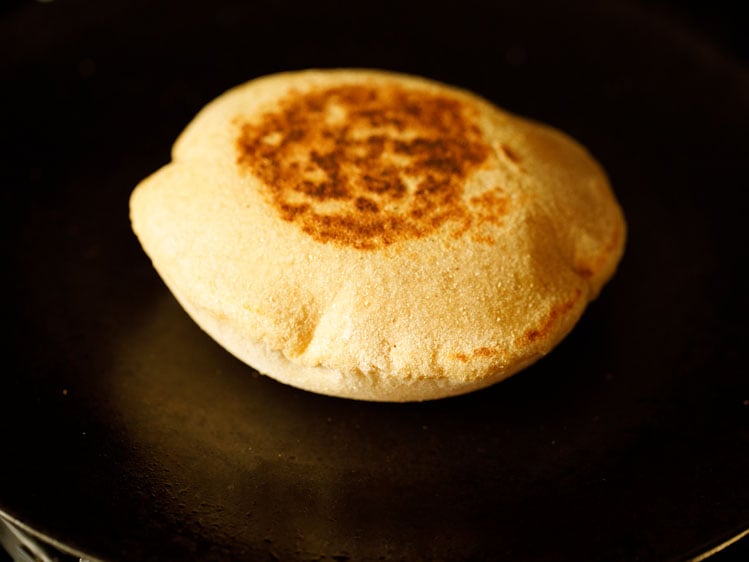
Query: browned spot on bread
x,y
584,271
509,153
484,352
478,352
483,239
555,312
490,206
366,166
487,208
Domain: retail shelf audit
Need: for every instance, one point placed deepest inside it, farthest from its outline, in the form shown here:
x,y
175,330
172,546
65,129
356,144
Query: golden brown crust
x,y
365,165
378,236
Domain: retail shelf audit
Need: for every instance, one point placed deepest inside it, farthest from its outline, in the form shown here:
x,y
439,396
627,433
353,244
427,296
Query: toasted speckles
x,y
554,314
483,239
487,208
366,205
490,206
394,159
485,352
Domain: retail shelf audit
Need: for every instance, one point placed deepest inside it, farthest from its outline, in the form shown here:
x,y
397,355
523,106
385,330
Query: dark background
x,y
128,434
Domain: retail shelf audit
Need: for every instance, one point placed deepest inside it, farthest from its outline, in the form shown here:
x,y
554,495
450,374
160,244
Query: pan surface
x,y
128,434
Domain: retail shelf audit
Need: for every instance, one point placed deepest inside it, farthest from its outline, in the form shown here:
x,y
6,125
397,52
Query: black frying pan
x,y
128,434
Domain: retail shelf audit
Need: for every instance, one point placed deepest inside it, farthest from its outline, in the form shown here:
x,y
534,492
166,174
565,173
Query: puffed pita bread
x,y
378,236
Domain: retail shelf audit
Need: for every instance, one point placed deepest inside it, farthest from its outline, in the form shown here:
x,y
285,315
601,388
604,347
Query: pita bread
x,y
378,236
